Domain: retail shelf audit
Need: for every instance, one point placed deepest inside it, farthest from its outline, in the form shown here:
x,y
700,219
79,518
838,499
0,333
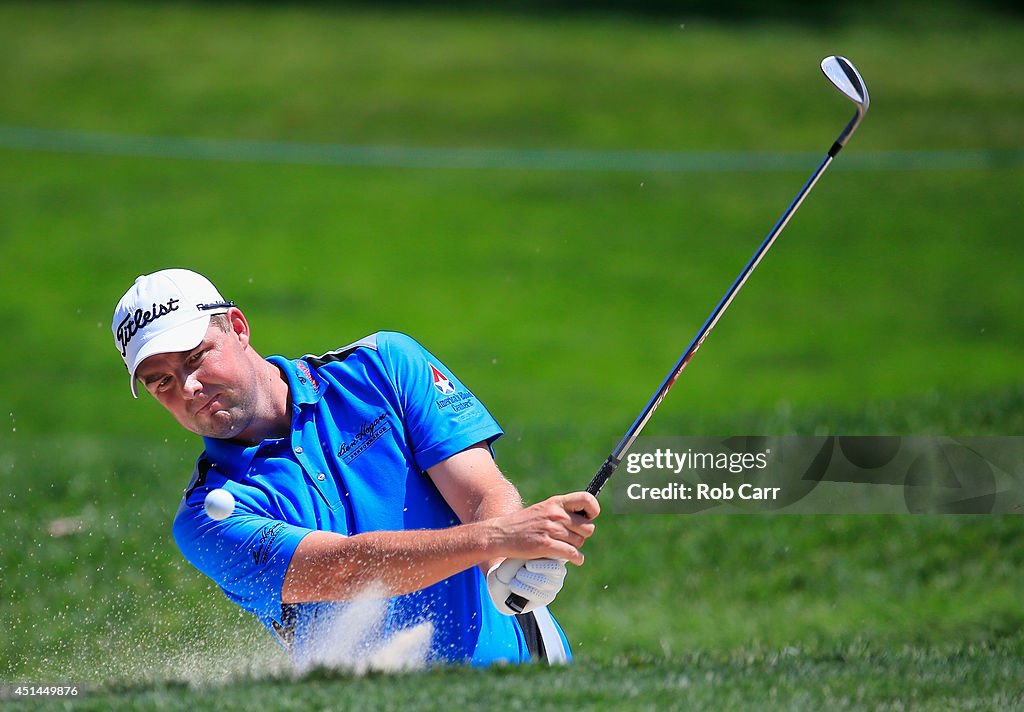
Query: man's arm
x,y
475,488
327,566
331,567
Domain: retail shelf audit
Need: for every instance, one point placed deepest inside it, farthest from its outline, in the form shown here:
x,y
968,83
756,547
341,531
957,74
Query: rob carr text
x,y
702,491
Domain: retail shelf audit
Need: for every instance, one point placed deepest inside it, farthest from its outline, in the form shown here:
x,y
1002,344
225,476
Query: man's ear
x,y
239,325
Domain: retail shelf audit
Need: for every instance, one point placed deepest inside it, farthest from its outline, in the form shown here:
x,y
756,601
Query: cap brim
x,y
183,337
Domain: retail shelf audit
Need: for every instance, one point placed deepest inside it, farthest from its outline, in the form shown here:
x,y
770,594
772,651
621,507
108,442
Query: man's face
x,y
211,390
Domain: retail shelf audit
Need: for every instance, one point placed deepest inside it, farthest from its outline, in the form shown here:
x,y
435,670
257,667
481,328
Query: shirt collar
x,y
304,388
230,457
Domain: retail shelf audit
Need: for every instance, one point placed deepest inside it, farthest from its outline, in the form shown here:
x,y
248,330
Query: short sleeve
x,y
442,416
246,554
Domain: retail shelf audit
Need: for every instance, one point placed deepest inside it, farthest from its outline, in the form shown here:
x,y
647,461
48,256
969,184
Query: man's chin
x,y
220,425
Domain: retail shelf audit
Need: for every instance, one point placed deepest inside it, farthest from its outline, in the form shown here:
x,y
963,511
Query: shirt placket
x,y
309,455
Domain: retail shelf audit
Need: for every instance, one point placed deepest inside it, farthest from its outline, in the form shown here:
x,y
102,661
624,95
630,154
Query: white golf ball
x,y
219,504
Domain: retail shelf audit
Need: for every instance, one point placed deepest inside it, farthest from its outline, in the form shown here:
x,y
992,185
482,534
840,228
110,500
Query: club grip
x,y
603,475
516,602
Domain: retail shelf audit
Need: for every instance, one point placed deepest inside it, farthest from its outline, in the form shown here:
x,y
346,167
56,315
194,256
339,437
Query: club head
x,y
845,77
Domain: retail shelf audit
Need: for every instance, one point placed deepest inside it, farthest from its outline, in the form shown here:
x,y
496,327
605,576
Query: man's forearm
x,y
476,490
331,567
503,499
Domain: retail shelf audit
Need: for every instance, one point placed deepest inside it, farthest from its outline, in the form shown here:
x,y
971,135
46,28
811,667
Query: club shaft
x,y
517,602
853,87
608,468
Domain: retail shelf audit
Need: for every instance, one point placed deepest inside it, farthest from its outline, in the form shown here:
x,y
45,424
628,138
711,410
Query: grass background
x,y
890,306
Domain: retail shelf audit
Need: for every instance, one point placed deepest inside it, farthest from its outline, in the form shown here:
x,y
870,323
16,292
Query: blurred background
x,y
551,196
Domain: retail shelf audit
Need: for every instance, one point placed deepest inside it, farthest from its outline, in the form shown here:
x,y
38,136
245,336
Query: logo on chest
x,y
369,433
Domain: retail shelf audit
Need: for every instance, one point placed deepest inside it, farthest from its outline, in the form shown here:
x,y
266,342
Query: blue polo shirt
x,y
367,421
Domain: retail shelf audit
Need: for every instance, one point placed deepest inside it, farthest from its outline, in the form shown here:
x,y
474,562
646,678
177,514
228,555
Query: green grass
x,y
542,287
965,676
562,297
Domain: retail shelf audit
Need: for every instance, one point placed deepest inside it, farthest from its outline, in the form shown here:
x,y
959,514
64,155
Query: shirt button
x,y
321,477
299,449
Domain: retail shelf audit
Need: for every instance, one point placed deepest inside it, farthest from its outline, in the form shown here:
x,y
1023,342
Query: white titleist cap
x,y
164,312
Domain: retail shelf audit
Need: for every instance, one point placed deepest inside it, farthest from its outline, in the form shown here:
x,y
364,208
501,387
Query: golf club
x,y
845,77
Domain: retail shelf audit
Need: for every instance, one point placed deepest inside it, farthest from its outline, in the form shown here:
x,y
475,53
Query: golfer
x,y
367,471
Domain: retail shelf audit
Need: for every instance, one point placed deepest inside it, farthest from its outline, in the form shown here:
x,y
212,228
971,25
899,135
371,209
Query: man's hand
x,y
475,489
536,580
539,540
555,528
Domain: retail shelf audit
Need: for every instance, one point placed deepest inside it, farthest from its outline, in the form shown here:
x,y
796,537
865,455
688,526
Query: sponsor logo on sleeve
x,y
451,398
441,382
264,545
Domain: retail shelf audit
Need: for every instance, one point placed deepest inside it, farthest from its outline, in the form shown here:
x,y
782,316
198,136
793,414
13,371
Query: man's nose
x,y
192,385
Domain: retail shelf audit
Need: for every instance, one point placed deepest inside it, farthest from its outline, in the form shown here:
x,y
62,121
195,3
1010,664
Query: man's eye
x,y
195,358
163,383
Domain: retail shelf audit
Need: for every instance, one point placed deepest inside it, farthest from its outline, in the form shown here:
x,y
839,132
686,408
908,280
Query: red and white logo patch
x,y
441,382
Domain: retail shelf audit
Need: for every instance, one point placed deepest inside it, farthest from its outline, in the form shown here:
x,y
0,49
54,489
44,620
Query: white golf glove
x,y
536,580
